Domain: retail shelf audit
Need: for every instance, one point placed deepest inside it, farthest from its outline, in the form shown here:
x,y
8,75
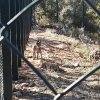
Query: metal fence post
x,y
7,72
18,31
30,17
22,27
14,40
25,3
27,24
29,20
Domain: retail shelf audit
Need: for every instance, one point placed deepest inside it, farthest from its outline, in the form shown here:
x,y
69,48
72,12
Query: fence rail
x,y
6,42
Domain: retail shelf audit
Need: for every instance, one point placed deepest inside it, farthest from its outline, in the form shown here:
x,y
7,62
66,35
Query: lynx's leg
x,y
34,55
41,54
37,55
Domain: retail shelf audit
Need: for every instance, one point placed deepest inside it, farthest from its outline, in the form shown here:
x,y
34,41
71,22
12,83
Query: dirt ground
x,y
64,59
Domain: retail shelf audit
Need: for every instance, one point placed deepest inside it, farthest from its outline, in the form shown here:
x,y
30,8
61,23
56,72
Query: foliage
x,y
70,12
92,20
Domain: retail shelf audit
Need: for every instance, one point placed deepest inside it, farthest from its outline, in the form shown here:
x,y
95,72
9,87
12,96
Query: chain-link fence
x,y
1,74
1,69
79,93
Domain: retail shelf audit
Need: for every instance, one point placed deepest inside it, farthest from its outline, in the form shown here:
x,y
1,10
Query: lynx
x,y
37,50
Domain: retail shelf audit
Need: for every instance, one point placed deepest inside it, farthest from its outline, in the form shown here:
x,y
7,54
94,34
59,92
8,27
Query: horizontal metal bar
x,y
74,84
8,43
89,2
29,6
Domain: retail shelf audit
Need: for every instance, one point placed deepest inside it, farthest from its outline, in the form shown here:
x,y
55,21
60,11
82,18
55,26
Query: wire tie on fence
x,y
1,39
2,30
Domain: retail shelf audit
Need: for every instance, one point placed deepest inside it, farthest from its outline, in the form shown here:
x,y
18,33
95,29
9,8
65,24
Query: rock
x,y
31,84
17,93
76,64
24,85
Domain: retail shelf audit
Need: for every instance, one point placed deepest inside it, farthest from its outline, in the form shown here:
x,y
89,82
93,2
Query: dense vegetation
x,y
70,12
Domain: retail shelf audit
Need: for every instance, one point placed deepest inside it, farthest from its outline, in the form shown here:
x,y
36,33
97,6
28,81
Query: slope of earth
x,y
64,59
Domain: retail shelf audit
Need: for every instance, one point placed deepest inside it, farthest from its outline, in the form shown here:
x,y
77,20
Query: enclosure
x,y
64,72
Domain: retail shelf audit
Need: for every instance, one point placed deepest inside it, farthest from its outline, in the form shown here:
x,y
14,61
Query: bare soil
x,y
64,59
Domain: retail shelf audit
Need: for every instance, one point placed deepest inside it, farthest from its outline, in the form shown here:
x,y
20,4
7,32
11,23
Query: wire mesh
x,y
1,73
1,69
